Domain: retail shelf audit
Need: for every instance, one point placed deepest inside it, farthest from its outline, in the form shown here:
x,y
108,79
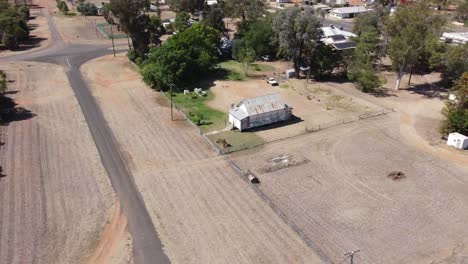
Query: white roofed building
x,y
259,111
455,37
348,12
337,38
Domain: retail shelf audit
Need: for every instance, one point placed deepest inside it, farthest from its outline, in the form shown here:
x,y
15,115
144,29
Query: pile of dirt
x,y
396,175
282,161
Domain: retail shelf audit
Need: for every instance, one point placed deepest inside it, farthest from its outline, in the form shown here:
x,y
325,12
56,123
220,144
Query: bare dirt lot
x,y
333,184
419,105
203,211
55,195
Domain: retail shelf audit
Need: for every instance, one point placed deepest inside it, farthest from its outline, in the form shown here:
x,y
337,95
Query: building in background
x,y
348,12
338,38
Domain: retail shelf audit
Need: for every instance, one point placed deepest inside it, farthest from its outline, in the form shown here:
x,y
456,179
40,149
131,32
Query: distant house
x,y
348,12
457,140
320,7
337,38
259,111
455,37
211,2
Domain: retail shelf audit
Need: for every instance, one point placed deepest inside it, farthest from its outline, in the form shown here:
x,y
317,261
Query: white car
x,y
266,57
272,81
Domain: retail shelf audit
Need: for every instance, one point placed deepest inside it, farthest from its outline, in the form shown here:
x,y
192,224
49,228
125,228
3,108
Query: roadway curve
x,y
147,247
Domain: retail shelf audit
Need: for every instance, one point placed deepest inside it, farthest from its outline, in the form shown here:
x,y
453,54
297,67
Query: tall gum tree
x,y
410,30
299,32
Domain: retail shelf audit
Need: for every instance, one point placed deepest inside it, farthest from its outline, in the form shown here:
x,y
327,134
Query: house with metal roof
x,y
348,12
455,37
337,38
259,111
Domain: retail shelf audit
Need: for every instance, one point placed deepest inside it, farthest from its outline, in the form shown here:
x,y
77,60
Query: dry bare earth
x,y
342,199
56,198
202,210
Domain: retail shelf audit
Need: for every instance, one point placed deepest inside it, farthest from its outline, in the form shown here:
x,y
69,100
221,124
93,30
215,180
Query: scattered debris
x,y
283,161
396,175
223,142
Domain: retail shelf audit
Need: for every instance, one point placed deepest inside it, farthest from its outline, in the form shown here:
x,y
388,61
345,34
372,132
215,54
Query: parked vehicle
x,y
272,81
266,57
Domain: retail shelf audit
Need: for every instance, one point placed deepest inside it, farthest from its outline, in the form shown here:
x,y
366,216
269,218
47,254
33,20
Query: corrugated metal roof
x,y
333,31
344,45
257,105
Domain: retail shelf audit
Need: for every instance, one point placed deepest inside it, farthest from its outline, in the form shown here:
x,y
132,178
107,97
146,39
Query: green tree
x,y
133,21
62,6
245,9
365,22
361,69
261,37
181,22
462,12
299,33
323,61
3,82
411,29
156,30
214,18
455,64
184,59
244,54
87,9
187,5
455,113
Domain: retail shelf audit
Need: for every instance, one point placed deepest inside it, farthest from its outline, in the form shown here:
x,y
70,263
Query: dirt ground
x,y
333,184
55,195
39,35
419,105
313,104
203,211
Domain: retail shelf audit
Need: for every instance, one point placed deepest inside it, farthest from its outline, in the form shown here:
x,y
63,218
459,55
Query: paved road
x,y
147,247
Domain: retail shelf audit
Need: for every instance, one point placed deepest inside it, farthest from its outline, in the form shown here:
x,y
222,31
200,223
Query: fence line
x,y
311,129
314,128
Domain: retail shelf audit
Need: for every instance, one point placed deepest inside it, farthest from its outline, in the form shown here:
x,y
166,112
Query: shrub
x,y
9,41
87,9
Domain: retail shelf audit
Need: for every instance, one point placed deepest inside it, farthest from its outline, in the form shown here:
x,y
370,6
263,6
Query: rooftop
x,y
350,9
333,31
257,105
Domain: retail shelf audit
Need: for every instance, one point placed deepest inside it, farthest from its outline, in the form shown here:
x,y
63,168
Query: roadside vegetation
x,y
13,25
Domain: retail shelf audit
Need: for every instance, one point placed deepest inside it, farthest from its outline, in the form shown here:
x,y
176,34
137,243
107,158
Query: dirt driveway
x,y
203,211
55,195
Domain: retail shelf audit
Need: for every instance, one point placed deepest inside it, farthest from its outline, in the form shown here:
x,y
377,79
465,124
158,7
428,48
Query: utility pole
x,y
112,38
351,255
170,94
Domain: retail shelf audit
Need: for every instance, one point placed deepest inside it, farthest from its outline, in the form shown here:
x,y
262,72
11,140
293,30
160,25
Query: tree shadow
x,y
9,112
429,90
292,121
30,43
383,92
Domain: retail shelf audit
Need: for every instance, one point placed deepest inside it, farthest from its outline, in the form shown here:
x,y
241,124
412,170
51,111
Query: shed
x,y
457,140
259,111
348,12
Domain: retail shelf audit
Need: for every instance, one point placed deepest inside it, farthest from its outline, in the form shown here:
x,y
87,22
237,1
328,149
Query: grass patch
x,y
237,140
262,67
284,86
235,72
196,109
